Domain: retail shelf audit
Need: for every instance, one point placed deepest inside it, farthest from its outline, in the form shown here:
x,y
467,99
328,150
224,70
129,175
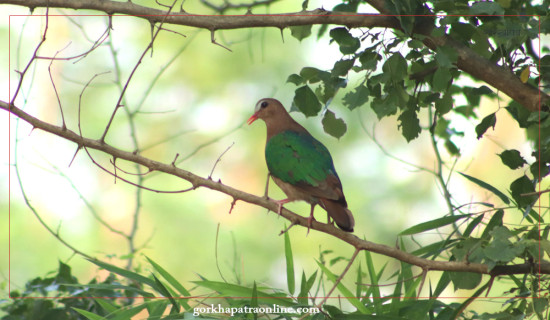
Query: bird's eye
x,y
264,104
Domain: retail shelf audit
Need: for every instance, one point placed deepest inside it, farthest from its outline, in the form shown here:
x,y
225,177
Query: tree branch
x,y
468,61
197,181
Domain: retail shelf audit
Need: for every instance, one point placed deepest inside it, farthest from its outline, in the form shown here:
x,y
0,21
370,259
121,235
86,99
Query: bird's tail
x,y
339,213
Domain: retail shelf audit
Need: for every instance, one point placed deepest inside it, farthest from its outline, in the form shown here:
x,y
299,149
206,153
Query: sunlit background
x,y
196,109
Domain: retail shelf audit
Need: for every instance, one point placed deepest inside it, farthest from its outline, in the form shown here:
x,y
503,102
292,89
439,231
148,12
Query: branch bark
x,y
197,181
468,61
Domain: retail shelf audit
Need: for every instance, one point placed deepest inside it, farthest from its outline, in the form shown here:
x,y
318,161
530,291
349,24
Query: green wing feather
x,y
298,159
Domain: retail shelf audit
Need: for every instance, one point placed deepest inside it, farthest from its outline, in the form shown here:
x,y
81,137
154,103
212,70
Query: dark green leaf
x,y
446,57
301,32
445,104
451,148
296,79
384,106
254,298
512,158
374,283
465,280
488,187
341,67
520,188
369,59
306,101
289,265
410,125
496,220
342,288
313,75
348,43
336,127
486,123
356,98
433,224
125,273
486,8
441,79
396,67
472,225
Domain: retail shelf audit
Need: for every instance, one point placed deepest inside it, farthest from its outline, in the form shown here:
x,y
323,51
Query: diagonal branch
x,y
197,181
468,60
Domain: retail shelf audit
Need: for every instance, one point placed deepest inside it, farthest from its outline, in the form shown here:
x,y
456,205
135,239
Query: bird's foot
x,y
310,220
280,203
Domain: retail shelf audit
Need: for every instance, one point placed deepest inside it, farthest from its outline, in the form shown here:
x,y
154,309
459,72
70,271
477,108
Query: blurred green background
x,y
197,108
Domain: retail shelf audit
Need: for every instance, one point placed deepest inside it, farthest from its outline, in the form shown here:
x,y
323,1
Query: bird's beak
x,y
253,118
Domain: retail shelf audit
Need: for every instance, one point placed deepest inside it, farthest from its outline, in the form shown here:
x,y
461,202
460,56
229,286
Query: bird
x,y
301,165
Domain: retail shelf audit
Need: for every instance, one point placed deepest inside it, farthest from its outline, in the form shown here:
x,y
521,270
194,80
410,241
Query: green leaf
x,y
357,98
410,125
433,224
171,280
88,314
445,104
336,127
501,249
486,8
301,32
441,79
519,188
348,43
254,298
302,296
341,67
488,187
296,79
342,288
486,123
396,67
446,57
313,75
512,158
125,273
496,220
465,280
233,290
289,265
374,283
472,225
306,101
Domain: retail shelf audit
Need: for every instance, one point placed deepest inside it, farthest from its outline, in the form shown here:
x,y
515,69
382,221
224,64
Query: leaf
x,y
441,79
512,158
289,265
374,283
496,220
125,273
296,79
488,121
88,314
486,8
445,104
446,57
524,76
301,32
233,290
433,224
336,127
410,125
341,67
396,67
472,225
519,188
357,98
488,187
348,44
465,280
306,101
171,280
342,288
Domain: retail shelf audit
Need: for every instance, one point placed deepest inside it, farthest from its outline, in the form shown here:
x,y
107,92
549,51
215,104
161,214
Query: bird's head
x,y
267,109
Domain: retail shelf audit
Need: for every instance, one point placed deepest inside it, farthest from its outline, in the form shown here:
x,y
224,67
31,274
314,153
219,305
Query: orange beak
x,y
253,118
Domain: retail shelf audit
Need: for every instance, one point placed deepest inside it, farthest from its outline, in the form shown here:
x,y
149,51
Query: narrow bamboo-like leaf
x,y
126,314
88,314
303,292
496,220
291,283
156,309
359,281
376,297
166,293
172,281
125,273
107,305
472,225
433,224
487,186
345,291
233,290
254,299
463,306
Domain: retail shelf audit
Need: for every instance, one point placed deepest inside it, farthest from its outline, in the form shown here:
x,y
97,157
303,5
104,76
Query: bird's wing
x,y
305,163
